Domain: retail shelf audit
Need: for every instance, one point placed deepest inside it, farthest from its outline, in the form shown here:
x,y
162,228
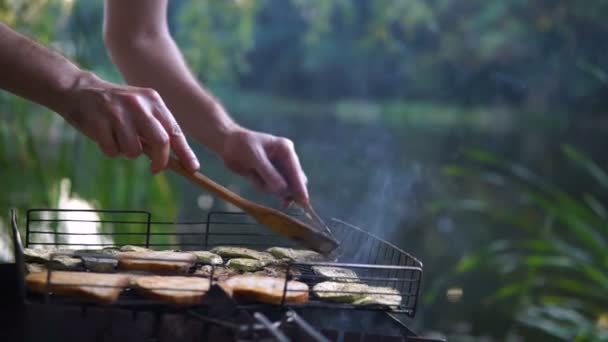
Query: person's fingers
x,y
126,133
104,136
272,179
256,180
289,163
156,142
177,140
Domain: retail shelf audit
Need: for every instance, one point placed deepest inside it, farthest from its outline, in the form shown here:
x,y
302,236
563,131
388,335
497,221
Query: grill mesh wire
x,y
375,261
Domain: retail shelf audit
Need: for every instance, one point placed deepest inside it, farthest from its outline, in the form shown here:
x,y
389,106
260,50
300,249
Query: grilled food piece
x,y
230,252
340,292
99,264
42,255
131,248
34,267
100,287
265,289
65,263
209,258
173,289
156,261
382,296
36,255
296,255
279,271
336,273
357,294
245,265
219,272
106,251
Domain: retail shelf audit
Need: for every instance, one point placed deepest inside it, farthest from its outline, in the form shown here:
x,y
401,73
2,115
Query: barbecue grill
x,y
218,317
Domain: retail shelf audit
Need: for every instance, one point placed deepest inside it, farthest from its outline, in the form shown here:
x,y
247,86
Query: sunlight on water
x,y
70,201
6,246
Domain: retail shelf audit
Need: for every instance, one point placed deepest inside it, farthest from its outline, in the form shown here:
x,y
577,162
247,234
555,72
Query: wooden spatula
x,y
271,218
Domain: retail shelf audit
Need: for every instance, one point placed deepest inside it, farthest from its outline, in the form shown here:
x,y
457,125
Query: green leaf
x,y
594,170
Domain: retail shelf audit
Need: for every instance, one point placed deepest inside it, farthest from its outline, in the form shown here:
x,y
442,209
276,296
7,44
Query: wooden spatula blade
x,y
296,230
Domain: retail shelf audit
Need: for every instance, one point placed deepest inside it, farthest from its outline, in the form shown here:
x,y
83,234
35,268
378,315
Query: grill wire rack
x,y
375,261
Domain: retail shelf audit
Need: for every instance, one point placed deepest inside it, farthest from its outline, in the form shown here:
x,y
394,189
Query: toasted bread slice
x,y
266,289
99,287
156,261
173,289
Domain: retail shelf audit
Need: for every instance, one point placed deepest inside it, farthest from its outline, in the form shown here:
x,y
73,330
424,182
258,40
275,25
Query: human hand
x,y
129,121
269,162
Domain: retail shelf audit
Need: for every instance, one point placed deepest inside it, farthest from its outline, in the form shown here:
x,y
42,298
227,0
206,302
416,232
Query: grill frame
x,y
366,252
406,262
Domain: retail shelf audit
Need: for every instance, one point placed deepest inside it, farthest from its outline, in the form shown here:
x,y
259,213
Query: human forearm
x,y
121,120
35,72
136,54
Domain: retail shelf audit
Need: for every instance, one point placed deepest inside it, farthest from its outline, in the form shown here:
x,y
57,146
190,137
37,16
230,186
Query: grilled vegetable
x,y
106,251
245,265
35,255
208,257
340,292
297,255
65,263
99,264
33,268
42,255
278,271
219,272
384,296
357,294
336,273
131,248
229,252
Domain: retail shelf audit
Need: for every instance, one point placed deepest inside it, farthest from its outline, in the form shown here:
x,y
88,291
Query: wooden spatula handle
x,y
210,185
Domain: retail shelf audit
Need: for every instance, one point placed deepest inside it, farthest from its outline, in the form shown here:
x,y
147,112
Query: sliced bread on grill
x,y
266,289
101,287
173,289
156,261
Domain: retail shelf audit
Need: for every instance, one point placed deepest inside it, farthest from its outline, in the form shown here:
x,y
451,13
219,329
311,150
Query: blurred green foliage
x,y
379,97
552,259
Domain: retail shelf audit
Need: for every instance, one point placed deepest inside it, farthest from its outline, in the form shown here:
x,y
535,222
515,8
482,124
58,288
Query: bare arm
x,y
118,118
140,44
34,72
